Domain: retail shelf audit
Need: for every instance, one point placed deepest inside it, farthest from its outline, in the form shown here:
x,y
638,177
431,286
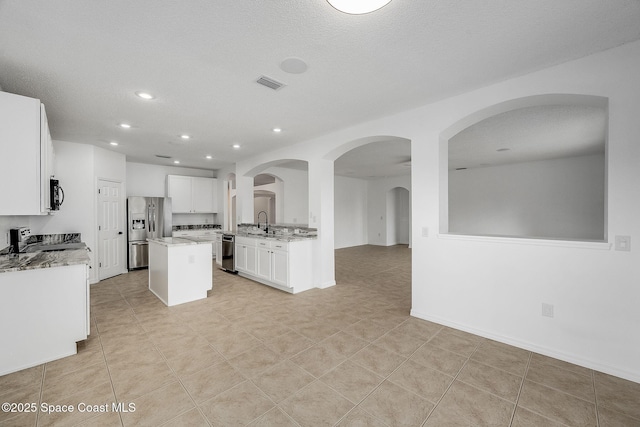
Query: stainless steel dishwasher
x,y
228,252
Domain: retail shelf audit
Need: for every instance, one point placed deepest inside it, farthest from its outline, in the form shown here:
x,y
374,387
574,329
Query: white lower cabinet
x,y
245,255
44,312
218,249
280,270
286,266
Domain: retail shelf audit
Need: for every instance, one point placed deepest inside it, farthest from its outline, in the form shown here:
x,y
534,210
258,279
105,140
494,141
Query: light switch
x,y
623,243
425,231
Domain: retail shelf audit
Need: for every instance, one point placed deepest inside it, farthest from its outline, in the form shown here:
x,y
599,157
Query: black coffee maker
x,y
18,239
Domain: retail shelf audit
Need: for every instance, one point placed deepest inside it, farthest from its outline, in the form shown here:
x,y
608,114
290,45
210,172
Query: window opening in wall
x,y
532,172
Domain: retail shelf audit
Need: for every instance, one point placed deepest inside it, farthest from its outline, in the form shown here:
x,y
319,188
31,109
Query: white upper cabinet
x,y
26,163
192,194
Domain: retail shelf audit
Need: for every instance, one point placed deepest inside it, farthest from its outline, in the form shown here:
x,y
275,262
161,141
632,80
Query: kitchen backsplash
x,y
196,227
54,239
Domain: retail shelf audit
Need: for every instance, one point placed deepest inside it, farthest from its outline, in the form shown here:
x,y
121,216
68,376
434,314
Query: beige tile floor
x,y
347,356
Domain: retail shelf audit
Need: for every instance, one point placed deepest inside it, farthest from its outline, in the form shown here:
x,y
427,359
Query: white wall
x,y
78,167
561,198
495,287
350,212
151,180
398,216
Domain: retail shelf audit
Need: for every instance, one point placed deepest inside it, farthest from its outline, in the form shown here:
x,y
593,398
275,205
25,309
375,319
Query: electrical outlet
x,y
623,243
547,310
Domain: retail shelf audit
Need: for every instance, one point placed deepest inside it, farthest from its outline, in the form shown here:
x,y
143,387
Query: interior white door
x,y
110,229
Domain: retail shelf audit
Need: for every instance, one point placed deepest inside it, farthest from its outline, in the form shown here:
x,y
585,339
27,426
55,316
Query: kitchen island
x,y
180,270
44,304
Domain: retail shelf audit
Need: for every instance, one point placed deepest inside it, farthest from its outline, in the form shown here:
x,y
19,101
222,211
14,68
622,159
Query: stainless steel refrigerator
x,y
147,217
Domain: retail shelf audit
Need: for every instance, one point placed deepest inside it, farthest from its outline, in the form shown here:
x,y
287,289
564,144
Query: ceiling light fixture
x,y
293,66
145,95
277,130
113,143
125,125
208,157
176,162
236,146
358,7
185,136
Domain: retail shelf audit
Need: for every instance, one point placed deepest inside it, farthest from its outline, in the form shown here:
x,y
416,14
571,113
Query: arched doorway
x,y
398,217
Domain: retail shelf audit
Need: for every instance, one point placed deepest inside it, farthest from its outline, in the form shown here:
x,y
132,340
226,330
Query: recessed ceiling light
x,y
357,7
236,146
208,157
145,95
113,143
185,136
176,161
277,130
503,149
124,125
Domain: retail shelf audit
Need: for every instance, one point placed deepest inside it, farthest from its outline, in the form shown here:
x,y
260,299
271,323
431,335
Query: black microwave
x,y
56,194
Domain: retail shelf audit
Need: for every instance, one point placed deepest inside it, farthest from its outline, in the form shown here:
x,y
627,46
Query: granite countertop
x,y
281,238
39,257
177,241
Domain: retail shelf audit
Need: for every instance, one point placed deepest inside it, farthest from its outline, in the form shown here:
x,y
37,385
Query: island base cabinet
x,y
180,274
43,313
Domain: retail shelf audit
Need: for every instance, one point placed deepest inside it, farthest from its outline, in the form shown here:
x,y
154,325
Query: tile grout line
x,y
44,370
515,407
106,362
595,397
172,370
452,382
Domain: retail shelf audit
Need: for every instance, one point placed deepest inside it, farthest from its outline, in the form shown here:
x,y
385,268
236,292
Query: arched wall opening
x,y
365,171
533,167
281,188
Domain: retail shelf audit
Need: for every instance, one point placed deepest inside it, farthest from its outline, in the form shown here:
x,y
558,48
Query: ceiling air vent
x,y
163,156
270,83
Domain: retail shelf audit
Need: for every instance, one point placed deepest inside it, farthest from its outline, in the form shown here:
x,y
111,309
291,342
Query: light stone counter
x,y
44,259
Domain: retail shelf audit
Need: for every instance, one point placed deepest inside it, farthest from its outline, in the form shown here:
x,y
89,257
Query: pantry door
x,y
111,229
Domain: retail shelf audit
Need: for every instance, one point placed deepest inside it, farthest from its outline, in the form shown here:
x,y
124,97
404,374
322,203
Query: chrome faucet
x,y
266,221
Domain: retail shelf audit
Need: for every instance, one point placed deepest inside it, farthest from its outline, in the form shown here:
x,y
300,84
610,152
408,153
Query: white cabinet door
x,y
46,161
179,189
202,194
264,263
219,253
240,257
20,172
251,257
280,273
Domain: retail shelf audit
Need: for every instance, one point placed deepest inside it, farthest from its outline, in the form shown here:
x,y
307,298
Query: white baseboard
x,y
546,351
326,285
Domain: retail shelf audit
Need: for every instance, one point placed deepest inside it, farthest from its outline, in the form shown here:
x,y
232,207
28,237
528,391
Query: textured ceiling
x,y
200,58
529,134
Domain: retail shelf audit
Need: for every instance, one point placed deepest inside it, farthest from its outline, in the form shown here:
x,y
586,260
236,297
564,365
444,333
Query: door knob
x,y
119,232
